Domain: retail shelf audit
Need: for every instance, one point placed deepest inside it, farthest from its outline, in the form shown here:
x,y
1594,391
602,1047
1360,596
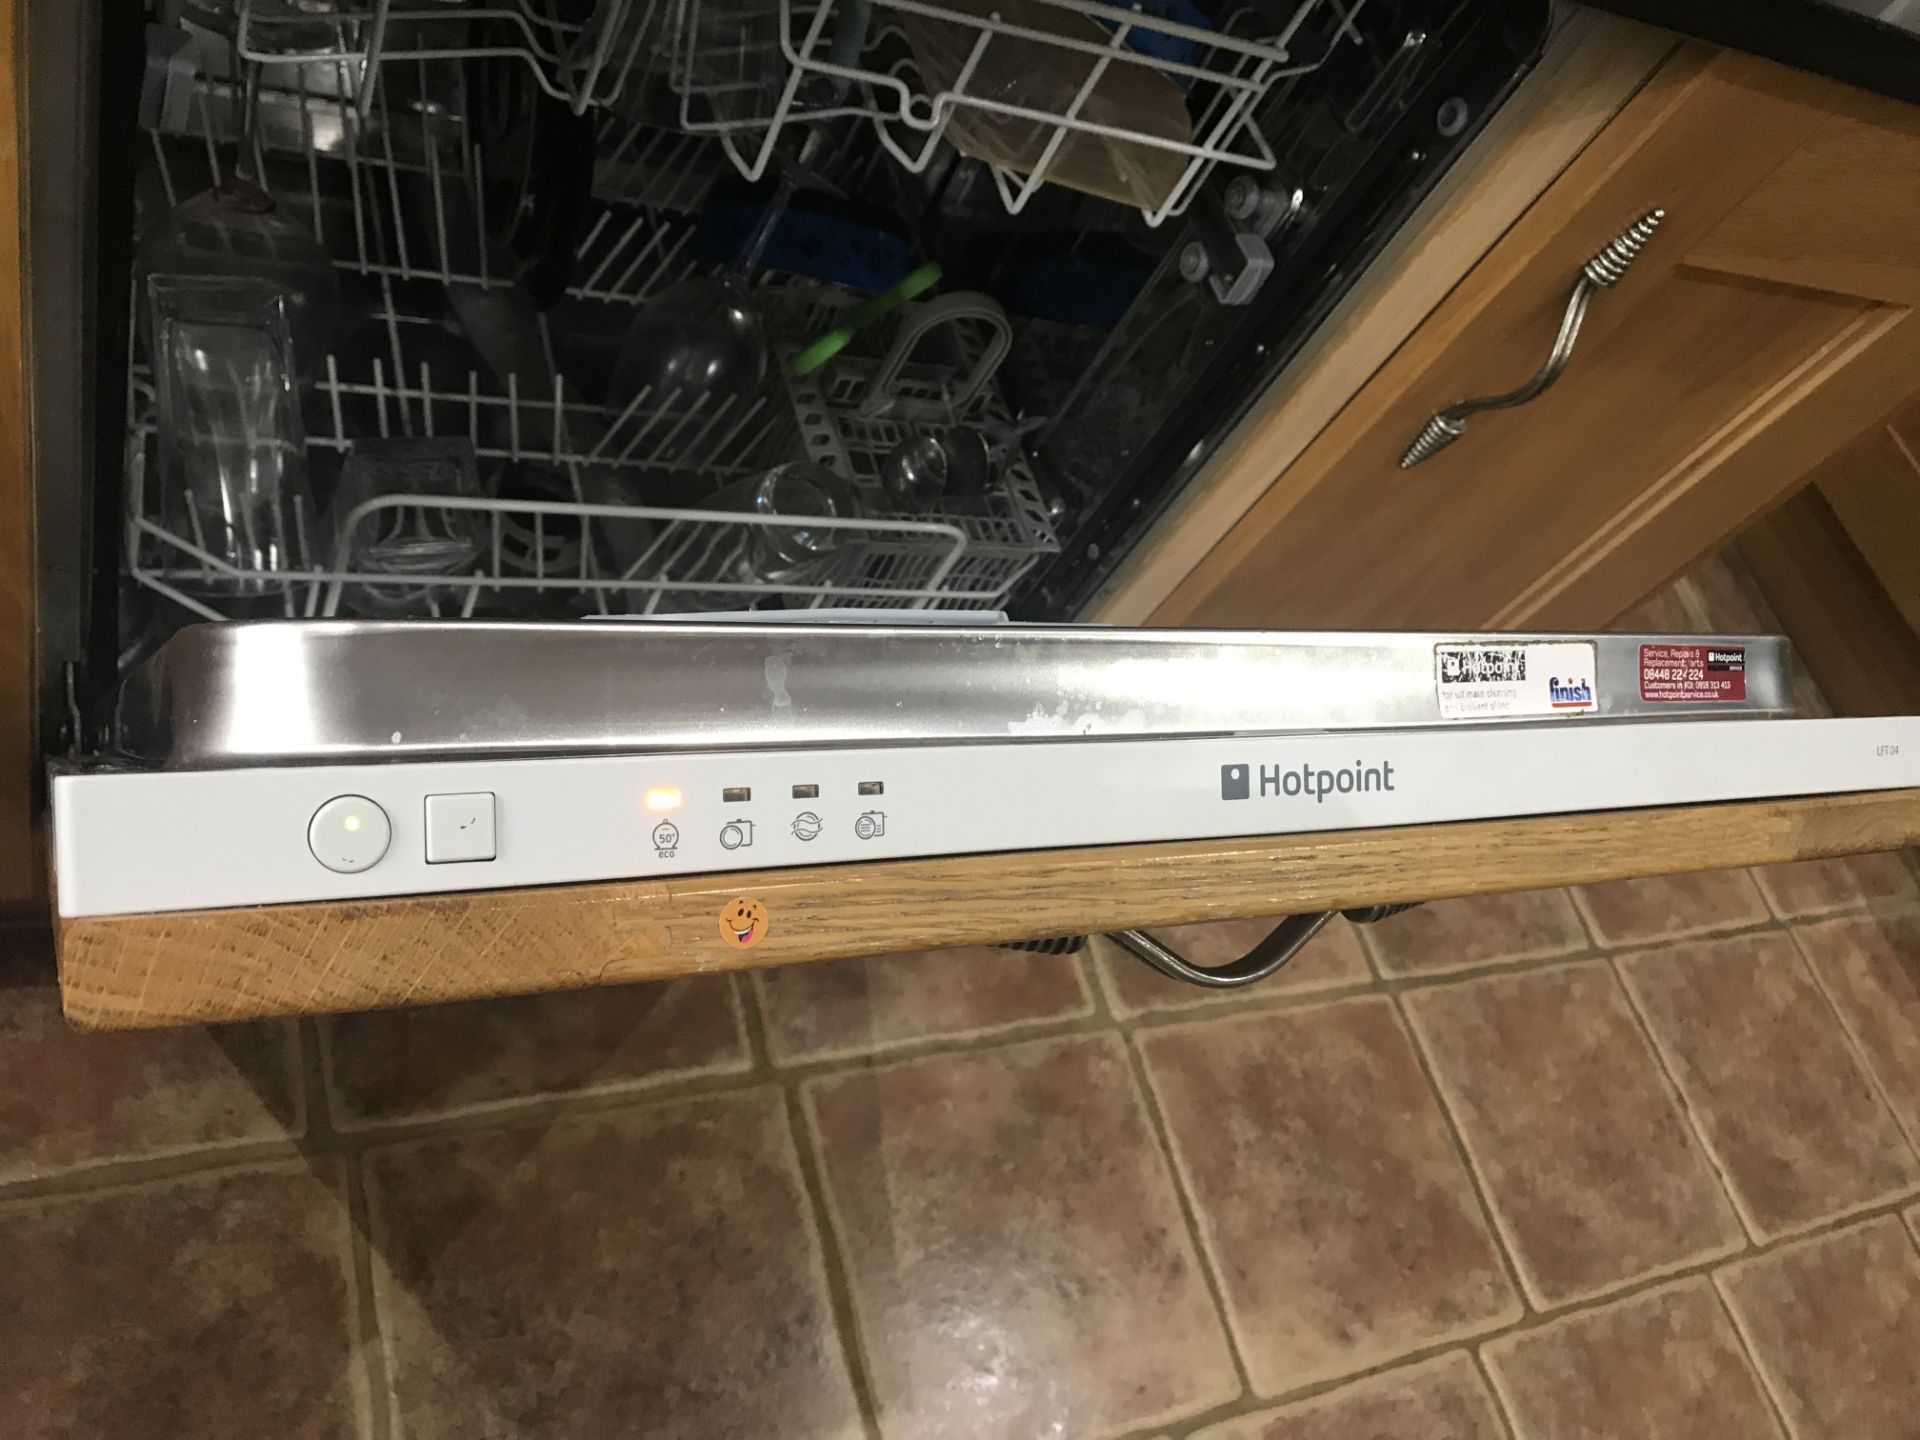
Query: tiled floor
x,y
1487,1169
1632,1161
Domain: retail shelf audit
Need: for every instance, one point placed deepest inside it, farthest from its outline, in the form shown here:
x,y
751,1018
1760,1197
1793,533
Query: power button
x,y
349,834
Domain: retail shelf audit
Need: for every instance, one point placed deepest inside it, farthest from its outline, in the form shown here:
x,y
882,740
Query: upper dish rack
x,y
1137,104
1134,104
581,53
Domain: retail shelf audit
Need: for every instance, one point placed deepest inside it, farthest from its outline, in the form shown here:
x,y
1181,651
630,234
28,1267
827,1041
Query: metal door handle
x,y
1602,272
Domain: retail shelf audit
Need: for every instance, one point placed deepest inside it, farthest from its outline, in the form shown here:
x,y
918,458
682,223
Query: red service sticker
x,y
1693,672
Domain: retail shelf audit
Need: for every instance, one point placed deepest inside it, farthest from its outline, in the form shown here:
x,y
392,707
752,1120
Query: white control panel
x,y
131,842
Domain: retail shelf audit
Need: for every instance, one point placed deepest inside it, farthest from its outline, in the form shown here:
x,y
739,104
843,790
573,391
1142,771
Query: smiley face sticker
x,y
743,923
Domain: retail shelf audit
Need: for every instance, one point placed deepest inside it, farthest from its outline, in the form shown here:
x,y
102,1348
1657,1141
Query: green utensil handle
x,y
863,315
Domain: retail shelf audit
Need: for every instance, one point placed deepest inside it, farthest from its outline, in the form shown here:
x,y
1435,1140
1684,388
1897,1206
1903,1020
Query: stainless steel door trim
x,y
287,693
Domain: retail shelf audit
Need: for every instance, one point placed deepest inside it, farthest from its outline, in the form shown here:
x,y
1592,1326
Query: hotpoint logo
x,y
1236,781
1569,694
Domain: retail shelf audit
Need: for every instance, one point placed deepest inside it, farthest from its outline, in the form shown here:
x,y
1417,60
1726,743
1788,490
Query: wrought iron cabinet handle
x,y
1602,272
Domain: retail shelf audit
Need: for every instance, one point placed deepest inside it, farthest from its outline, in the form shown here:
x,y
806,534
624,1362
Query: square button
x,y
459,827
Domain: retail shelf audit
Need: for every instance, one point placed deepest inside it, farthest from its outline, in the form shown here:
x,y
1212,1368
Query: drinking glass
x,y
409,537
770,555
231,446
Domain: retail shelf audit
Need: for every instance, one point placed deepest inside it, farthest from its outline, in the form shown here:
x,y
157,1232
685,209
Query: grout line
x,y
1751,1352
931,1046
748,1010
1505,1246
1753,1362
130,1172
1149,1102
370,1344
840,1300
1503,1405
1729,931
1696,1125
1696,1118
1856,1046
1587,926
319,1127
543,1109
1093,976
840,1306
1487,969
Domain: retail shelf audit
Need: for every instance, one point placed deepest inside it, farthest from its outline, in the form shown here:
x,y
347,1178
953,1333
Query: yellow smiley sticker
x,y
743,923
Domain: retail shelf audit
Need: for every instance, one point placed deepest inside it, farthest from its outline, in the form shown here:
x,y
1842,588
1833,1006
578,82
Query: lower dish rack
x,y
587,509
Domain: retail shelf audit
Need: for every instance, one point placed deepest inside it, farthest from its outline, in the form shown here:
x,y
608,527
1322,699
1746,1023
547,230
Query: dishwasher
x,y
554,440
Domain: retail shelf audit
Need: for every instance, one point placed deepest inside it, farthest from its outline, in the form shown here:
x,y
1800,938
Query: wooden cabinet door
x,y
1768,321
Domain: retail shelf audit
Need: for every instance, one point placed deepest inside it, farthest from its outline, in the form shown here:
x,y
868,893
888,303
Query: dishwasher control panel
x,y
129,842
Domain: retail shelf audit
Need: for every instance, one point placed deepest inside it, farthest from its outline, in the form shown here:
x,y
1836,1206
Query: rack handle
x,y
1602,272
961,307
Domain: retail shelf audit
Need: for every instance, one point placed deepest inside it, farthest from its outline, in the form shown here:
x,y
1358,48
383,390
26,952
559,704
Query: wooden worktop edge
x,y
216,965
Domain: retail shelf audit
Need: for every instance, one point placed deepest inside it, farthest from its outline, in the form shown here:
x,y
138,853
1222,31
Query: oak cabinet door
x,y
1767,321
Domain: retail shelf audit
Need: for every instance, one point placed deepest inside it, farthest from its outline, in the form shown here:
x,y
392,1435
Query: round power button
x,y
349,834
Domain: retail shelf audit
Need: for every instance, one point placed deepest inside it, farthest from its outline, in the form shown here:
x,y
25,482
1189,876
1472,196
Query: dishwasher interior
x,y
600,308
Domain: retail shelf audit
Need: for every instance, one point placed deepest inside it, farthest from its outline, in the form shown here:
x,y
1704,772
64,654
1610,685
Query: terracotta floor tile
x,y
1771,1080
652,1272
1331,959
1663,1364
68,1099
202,1307
1834,1325
1870,968
435,1059
1818,887
844,1007
1589,1165
1482,930
1442,1399
1331,1199
1014,1246
1665,907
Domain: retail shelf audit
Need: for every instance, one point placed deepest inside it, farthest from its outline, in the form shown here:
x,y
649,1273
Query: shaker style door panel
x,y
1765,321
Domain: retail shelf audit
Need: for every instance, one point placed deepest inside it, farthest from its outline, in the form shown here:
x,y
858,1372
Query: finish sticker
x,y
1693,673
1477,681
743,923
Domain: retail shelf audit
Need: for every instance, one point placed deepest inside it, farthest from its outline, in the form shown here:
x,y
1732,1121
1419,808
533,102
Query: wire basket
x,y
566,555
583,61
1136,105
584,528
1009,529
